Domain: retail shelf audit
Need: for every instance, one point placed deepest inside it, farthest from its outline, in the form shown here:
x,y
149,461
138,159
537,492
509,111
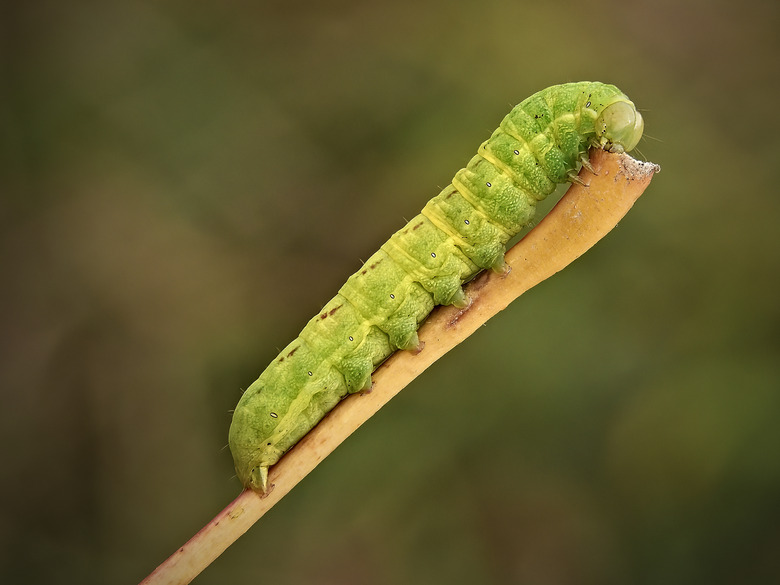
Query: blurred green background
x,y
185,184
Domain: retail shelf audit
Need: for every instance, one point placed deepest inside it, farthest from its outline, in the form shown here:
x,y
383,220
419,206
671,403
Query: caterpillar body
x,y
459,233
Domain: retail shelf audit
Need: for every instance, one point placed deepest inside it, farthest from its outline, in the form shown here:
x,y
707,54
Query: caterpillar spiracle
x,y
460,232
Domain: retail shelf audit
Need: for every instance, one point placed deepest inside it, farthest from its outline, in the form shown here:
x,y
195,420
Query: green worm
x,y
460,232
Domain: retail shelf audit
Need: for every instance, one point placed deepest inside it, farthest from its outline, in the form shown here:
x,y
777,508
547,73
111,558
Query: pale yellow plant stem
x,y
581,218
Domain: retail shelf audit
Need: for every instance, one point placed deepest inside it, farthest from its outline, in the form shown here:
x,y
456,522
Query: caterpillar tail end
x,y
258,479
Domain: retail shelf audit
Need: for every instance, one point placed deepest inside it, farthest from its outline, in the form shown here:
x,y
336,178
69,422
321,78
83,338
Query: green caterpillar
x,y
460,232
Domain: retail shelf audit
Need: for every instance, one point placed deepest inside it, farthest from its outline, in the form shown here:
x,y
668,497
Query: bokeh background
x,y
185,184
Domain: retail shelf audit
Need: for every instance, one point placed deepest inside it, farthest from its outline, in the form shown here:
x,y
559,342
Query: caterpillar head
x,y
619,127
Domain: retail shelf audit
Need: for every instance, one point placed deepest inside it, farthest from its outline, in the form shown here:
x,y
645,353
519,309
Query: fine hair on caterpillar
x,y
460,232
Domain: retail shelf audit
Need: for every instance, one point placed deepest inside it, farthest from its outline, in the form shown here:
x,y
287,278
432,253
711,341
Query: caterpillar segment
x,y
463,230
